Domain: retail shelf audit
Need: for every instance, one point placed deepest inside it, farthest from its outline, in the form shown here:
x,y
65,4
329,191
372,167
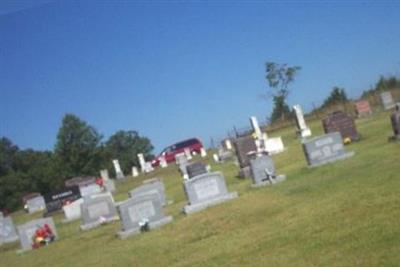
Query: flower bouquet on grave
x,y
42,237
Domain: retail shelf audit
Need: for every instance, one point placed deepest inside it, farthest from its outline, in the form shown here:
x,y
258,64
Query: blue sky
x,y
173,70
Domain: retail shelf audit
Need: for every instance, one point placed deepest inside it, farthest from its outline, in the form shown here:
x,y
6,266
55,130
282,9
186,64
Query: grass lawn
x,y
342,214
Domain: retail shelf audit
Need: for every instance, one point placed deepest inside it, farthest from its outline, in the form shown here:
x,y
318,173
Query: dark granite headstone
x,y
343,123
243,147
196,168
57,199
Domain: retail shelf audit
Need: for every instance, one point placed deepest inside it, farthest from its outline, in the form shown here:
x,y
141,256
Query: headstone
x,y
387,100
274,145
163,162
90,189
109,186
196,168
224,155
156,186
181,160
118,170
57,199
135,172
302,129
28,230
104,175
325,149
7,231
97,210
188,154
36,204
145,167
1,215
362,108
343,123
141,213
216,158
206,190
263,171
72,211
256,127
227,144
203,152
395,121
243,147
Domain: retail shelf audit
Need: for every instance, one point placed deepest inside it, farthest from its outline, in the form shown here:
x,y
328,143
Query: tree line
x,y
279,77
79,151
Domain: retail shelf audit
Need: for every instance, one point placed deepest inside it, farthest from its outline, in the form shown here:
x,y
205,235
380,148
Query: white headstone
x,y
188,154
203,152
72,210
142,162
274,145
228,144
216,158
135,172
304,131
256,127
163,162
104,175
118,171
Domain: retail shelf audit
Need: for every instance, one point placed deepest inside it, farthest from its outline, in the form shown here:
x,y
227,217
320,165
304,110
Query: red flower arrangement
x,y
43,236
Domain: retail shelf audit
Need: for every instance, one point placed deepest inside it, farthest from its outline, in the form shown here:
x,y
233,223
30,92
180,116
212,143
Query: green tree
x,y
337,95
77,150
8,152
279,77
124,146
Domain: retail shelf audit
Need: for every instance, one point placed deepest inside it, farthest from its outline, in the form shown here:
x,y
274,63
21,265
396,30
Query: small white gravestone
x,y
188,154
302,129
163,162
203,152
216,158
104,175
135,172
118,171
274,145
228,144
72,211
142,162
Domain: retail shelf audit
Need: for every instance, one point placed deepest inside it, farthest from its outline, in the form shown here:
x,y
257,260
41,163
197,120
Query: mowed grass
x,y
343,214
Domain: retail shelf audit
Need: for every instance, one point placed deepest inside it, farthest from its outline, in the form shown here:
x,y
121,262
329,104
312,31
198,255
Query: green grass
x,y
343,214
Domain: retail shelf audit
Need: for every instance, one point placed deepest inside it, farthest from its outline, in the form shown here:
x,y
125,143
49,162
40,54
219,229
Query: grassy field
x,y
343,214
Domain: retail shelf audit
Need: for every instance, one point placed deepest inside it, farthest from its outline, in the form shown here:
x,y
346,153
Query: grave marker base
x,y
152,225
278,179
340,157
189,209
96,224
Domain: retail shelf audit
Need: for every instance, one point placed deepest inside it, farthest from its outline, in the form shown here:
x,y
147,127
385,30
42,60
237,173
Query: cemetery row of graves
x,y
90,199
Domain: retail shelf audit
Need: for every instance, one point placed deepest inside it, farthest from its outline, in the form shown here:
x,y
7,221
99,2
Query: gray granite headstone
x,y
97,210
325,149
109,185
387,100
89,189
155,186
1,215
206,190
141,213
27,231
263,171
7,231
36,204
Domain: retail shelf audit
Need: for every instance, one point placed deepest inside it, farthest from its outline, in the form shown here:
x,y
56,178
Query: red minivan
x,y
169,153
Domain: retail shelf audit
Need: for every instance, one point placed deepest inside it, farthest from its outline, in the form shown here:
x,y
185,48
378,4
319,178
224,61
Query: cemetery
x,y
221,206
